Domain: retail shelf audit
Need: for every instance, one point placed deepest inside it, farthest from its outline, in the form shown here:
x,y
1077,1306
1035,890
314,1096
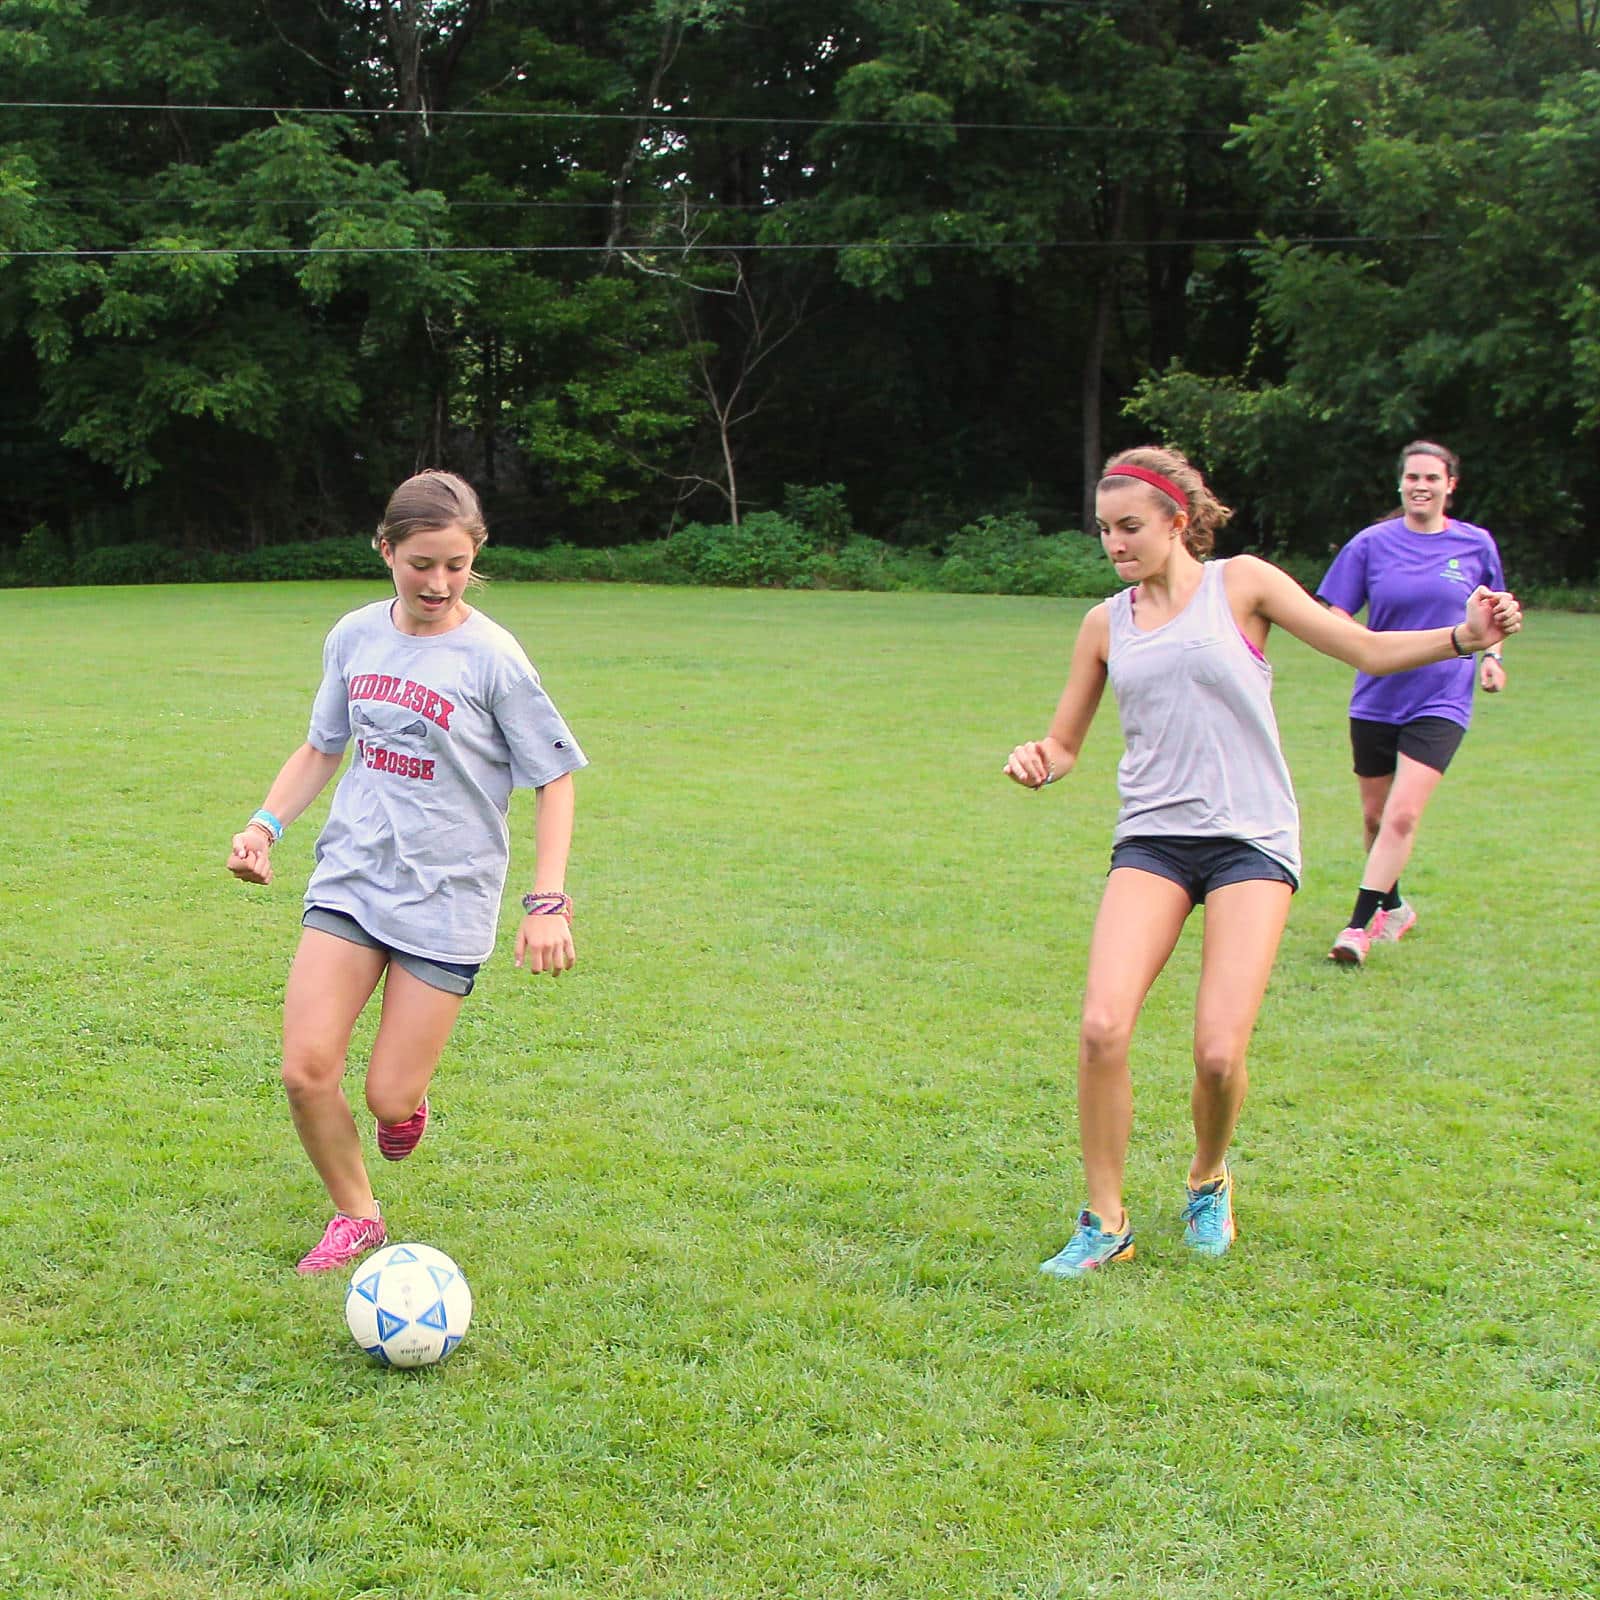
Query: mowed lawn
x,y
752,1201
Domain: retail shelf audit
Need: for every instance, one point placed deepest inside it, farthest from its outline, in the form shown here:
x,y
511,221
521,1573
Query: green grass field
x,y
752,1201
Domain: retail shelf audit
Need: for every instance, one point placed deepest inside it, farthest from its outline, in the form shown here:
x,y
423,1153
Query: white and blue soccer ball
x,y
408,1305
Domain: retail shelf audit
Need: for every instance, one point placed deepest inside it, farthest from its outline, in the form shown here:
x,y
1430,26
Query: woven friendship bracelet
x,y
549,903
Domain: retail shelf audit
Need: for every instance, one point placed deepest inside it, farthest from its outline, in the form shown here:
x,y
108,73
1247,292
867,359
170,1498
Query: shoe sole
x,y
1344,957
1212,1255
1127,1253
320,1267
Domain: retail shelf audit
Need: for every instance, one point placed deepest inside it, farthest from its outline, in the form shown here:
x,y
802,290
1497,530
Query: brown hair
x,y
430,500
1422,447
1206,512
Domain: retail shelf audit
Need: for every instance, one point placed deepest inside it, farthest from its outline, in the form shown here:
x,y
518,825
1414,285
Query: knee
x,y
309,1072
1372,820
1103,1039
386,1105
1401,821
1218,1061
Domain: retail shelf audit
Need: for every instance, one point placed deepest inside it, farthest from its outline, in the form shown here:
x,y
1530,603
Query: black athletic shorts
x,y
1200,865
1376,746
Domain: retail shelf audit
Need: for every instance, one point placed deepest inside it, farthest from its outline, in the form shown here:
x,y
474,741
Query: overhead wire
x,y
655,114
724,249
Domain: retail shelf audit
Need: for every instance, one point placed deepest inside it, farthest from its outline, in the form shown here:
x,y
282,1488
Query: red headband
x,y
1154,479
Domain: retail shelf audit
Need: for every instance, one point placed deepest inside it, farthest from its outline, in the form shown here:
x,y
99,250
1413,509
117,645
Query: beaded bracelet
x,y
548,903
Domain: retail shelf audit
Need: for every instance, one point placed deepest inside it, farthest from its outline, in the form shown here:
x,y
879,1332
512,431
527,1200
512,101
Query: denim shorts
x,y
453,977
1198,866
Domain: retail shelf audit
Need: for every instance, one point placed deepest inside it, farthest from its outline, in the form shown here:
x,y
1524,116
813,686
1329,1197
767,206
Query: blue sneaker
x,y
1208,1226
1090,1247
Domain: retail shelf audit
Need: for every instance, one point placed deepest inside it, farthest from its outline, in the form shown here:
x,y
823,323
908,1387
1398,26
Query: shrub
x,y
146,561
43,557
766,549
859,563
650,562
819,509
1008,555
318,558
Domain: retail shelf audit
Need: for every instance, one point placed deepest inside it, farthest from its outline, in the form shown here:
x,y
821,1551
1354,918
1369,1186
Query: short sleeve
x,y
541,745
330,711
1344,584
1494,571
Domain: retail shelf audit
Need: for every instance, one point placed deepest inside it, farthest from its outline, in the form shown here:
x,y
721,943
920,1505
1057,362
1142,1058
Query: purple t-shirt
x,y
1413,580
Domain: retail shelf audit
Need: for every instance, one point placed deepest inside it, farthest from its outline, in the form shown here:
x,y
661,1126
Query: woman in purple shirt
x,y
1411,571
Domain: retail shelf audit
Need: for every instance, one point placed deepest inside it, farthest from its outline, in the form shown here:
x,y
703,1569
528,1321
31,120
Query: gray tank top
x,y
1203,759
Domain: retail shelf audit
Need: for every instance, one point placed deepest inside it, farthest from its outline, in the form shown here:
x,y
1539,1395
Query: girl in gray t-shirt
x,y
447,717
1208,812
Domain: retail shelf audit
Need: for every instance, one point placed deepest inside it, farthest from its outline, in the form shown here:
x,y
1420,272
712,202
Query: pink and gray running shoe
x,y
1390,927
396,1140
345,1239
1350,948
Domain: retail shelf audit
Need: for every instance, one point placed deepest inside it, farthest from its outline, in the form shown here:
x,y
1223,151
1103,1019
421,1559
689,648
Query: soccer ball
x,y
408,1305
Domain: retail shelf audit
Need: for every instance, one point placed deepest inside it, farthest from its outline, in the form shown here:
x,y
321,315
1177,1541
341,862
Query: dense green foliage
x,y
640,265
765,550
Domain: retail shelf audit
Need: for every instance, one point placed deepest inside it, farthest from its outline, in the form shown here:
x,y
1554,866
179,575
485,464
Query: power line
x,y
675,250
666,202
659,116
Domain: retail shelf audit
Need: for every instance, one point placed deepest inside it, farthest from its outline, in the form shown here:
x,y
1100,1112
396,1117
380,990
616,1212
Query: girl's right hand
x,y
251,858
1036,763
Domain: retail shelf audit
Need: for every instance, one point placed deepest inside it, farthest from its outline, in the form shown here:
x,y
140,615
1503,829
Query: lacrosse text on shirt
x,y
405,693
396,761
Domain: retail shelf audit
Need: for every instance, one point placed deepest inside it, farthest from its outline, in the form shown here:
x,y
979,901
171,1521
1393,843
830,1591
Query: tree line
x,y
635,263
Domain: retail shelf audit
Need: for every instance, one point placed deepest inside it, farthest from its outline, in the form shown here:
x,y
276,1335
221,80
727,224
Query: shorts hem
x,y
450,977
1199,866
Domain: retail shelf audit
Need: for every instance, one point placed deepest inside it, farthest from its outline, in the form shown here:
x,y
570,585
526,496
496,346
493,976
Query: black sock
x,y
1392,900
1367,902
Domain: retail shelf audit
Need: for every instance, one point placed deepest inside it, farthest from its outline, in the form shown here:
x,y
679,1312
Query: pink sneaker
x,y
396,1140
1390,927
344,1240
1350,948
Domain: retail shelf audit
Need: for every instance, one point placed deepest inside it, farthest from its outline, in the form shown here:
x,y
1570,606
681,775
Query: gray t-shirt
x,y
1203,759
445,725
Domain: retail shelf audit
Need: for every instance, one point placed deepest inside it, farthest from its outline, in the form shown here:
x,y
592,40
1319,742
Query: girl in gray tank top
x,y
1207,811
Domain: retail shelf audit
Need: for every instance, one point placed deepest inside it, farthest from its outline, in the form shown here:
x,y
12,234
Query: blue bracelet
x,y
270,823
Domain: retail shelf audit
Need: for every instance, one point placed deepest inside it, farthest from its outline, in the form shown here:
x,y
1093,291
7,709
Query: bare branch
x,y
671,38
299,49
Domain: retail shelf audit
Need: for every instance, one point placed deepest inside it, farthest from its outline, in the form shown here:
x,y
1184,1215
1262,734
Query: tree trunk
x,y
1094,358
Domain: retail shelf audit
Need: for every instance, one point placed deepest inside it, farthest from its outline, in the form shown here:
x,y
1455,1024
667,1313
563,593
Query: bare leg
x,y
412,1033
1374,792
1244,923
329,984
1403,806
1141,915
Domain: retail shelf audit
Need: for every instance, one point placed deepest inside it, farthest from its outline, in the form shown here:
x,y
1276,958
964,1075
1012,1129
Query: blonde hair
x,y
1206,512
429,500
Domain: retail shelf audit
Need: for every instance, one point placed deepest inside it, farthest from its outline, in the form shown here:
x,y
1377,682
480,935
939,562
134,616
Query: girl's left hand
x,y
1491,675
546,942
1491,616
